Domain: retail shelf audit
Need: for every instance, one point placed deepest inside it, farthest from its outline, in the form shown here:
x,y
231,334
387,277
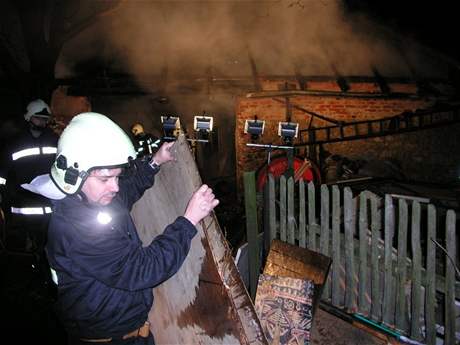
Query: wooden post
x,y
252,230
324,236
449,304
388,293
349,214
272,207
290,211
401,322
283,208
336,246
376,310
416,273
363,244
311,217
302,206
430,288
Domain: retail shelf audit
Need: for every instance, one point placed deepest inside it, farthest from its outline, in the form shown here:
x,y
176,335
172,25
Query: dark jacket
x,y
105,275
23,159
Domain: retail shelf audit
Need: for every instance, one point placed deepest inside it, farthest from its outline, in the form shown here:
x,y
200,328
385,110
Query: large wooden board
x,y
206,301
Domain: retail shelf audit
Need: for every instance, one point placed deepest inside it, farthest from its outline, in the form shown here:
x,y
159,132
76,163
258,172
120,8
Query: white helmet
x,y
89,141
37,108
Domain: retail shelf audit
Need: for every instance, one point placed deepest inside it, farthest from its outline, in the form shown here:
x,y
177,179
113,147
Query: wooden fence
x,y
392,259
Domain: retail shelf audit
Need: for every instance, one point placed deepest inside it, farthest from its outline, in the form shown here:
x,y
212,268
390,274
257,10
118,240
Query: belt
x,y
142,332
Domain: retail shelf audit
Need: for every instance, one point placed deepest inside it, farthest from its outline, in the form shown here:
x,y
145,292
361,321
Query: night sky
x,y
432,23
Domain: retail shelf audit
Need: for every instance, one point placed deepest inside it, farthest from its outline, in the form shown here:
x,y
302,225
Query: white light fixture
x,y
203,123
254,127
288,131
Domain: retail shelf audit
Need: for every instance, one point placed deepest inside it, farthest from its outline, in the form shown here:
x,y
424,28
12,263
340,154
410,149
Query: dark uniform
x,y
27,213
104,274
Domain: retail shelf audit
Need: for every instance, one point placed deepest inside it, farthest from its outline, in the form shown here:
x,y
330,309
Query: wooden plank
x,y
282,182
430,285
302,219
401,321
349,214
311,217
376,226
335,280
325,230
415,330
290,211
363,244
388,294
449,302
181,313
292,261
324,235
272,207
252,230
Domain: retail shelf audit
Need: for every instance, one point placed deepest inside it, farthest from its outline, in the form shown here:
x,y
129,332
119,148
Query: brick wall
x,y
421,153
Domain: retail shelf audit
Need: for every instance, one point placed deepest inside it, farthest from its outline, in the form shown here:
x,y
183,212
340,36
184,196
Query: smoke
x,y
219,38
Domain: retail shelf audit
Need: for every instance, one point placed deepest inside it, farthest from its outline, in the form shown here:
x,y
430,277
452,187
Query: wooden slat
x,y
388,294
302,219
335,280
290,211
325,230
324,235
449,303
430,287
416,273
272,207
376,226
363,244
349,214
252,230
401,321
311,217
283,208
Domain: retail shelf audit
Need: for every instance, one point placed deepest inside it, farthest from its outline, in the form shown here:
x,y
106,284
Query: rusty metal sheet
x,y
206,301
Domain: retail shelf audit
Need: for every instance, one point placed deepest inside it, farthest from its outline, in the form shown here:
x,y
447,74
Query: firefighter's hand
x,y
201,204
164,154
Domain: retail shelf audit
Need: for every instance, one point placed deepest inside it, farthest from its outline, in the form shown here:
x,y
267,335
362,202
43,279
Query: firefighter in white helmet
x,y
26,155
144,143
103,273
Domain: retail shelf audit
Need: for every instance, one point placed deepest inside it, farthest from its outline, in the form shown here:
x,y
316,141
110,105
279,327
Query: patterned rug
x,y
284,307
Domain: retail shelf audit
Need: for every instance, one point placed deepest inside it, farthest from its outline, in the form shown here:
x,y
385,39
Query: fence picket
x,y
363,244
449,303
388,295
401,322
283,208
416,273
325,230
302,205
311,217
290,211
335,280
430,288
376,310
349,214
272,207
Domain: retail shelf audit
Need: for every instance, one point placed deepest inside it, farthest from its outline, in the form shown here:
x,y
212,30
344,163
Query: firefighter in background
x,y
25,156
145,144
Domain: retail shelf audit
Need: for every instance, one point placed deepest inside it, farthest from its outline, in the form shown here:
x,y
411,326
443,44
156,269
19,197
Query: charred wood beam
x,y
309,112
381,81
